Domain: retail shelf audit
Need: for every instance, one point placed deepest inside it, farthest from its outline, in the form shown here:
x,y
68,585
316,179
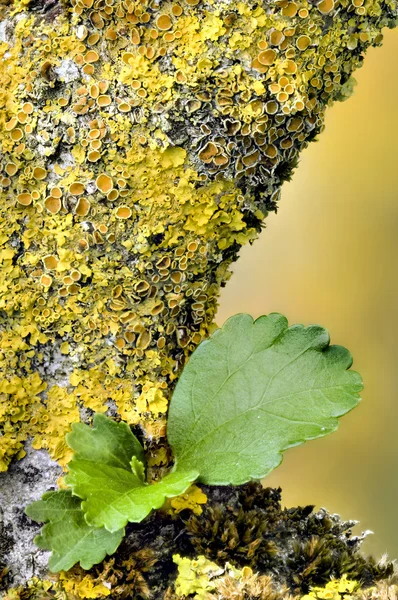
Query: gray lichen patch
x,y
24,482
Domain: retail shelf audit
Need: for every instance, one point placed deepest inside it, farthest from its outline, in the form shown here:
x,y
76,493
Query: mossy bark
x,y
244,527
141,145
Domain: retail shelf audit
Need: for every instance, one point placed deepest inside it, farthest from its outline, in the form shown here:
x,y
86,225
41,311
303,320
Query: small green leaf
x,y
54,506
105,475
138,469
67,534
115,496
254,389
107,441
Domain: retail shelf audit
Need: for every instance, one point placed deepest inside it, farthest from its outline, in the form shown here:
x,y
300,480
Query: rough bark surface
x,y
141,145
24,482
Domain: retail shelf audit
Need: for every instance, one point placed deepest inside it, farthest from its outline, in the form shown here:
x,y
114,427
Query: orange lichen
x,y
123,212
76,188
104,183
303,41
104,100
25,199
163,22
326,6
50,262
46,280
266,57
82,207
39,173
91,56
53,205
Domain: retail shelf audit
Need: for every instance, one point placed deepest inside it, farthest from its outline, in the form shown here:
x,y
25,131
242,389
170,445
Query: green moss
x,y
300,548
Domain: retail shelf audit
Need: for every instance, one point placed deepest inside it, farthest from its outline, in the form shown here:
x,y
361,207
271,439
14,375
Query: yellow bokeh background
x,y
329,257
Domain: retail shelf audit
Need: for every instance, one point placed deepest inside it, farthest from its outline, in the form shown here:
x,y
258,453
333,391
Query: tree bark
x,y
142,143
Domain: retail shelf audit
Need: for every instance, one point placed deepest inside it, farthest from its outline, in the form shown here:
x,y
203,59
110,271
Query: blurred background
x,y
329,257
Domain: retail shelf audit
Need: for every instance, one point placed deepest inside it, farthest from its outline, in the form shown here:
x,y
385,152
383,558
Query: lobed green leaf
x,y
54,506
67,533
109,478
106,441
254,389
113,497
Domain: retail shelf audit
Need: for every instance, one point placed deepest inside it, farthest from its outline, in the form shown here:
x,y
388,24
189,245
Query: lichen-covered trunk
x,y
142,143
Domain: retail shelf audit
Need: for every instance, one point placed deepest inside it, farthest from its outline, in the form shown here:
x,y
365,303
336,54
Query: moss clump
x,y
300,548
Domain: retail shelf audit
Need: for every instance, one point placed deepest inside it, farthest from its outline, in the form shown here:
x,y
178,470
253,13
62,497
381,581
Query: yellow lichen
x,y
83,588
336,589
195,577
140,147
191,500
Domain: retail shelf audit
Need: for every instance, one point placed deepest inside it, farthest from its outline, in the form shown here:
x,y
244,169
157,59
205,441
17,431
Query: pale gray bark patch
x,y
25,481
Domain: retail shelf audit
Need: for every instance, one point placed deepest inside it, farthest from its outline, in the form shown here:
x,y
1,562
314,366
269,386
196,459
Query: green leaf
x,y
115,496
67,534
108,475
107,441
138,469
254,389
54,506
